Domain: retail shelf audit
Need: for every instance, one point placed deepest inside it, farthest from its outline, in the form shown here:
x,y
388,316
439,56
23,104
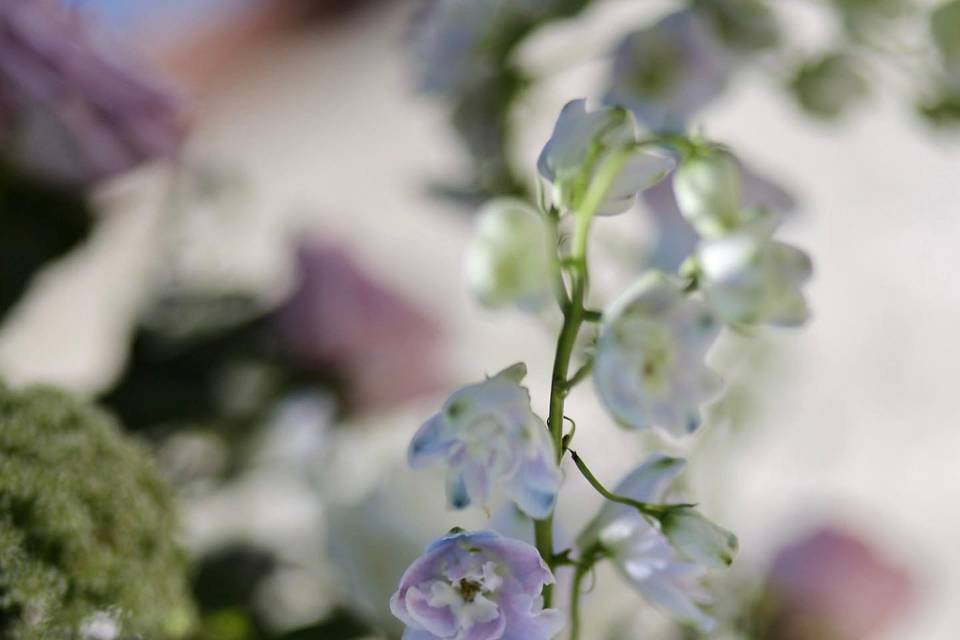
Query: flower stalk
x,y
573,317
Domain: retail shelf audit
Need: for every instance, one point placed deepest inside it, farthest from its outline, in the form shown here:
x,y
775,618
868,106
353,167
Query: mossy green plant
x,y
87,525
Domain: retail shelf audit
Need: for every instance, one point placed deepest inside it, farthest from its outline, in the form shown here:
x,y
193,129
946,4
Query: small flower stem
x,y
578,576
583,568
646,508
573,316
579,375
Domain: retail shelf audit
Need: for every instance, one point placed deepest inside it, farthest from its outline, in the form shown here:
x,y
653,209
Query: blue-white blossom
x,y
748,279
675,238
476,586
649,365
487,435
665,560
509,260
668,72
582,140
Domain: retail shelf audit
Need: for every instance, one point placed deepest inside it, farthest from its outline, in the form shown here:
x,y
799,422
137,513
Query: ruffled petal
x,y
439,621
526,620
535,484
492,630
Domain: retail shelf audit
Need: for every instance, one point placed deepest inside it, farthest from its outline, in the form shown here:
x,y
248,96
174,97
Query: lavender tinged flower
x,y
665,562
649,365
476,586
487,434
666,73
581,140
73,112
676,239
448,43
460,44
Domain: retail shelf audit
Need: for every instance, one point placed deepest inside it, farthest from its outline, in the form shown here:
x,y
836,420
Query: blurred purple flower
x,y
70,111
832,585
667,72
675,239
476,586
339,320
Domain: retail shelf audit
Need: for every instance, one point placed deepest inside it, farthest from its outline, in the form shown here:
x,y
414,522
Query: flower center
x,y
469,589
471,598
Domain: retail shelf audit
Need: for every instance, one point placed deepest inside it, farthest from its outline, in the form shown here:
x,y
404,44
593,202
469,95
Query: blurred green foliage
x,y
87,525
829,85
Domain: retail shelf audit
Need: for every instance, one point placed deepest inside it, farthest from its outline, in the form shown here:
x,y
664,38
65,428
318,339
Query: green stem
x,y
646,508
579,375
578,576
573,316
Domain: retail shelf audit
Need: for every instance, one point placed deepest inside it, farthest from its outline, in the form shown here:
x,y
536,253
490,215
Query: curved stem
x,y
646,508
579,375
582,570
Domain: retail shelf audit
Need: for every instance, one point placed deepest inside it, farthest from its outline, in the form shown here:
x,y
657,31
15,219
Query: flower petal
x,y
698,538
527,621
439,621
431,443
535,484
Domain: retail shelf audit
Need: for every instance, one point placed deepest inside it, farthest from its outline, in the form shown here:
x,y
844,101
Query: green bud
x,y
699,539
707,188
509,261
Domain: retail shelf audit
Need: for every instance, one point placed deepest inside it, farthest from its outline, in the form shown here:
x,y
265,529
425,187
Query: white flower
x,y
748,279
664,567
581,141
509,261
649,366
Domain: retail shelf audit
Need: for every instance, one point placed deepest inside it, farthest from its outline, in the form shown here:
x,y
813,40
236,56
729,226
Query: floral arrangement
x,y
647,363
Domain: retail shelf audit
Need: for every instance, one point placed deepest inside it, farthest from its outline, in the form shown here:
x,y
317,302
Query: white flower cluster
x,y
649,362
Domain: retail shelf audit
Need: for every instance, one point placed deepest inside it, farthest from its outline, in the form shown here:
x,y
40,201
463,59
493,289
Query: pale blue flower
x,y
649,365
510,260
476,586
675,238
748,279
582,139
487,435
665,566
668,72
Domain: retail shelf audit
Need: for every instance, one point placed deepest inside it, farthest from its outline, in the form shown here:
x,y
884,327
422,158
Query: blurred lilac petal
x,y
340,321
668,72
75,114
836,580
